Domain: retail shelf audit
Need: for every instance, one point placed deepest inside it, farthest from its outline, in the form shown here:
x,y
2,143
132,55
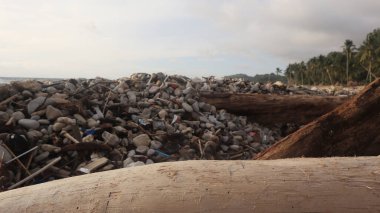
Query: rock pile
x,y
53,130
242,86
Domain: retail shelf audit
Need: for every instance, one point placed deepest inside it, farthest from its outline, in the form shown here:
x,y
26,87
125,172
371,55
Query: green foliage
x,y
360,65
260,78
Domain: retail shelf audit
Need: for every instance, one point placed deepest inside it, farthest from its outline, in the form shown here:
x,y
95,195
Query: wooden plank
x,y
349,130
286,185
270,109
94,165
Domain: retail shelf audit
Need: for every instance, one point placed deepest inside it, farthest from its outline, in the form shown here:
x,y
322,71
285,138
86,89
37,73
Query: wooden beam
x,y
352,129
297,185
270,109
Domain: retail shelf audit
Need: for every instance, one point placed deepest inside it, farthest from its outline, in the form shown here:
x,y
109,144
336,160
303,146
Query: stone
x,y
41,157
50,148
154,144
131,153
51,90
137,163
27,94
142,149
141,140
110,139
18,115
127,161
29,123
162,114
4,117
34,135
80,119
57,127
149,161
43,121
34,104
187,107
92,123
31,85
235,147
154,89
150,152
53,113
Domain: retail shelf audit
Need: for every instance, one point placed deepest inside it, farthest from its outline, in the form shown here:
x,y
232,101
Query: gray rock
x,y
195,107
137,163
141,140
57,127
34,104
51,90
142,149
149,161
155,144
4,117
127,161
34,135
18,115
92,123
41,157
150,152
50,148
53,113
27,94
154,89
132,97
29,123
131,153
162,114
187,107
44,121
32,85
224,147
80,119
110,139
235,147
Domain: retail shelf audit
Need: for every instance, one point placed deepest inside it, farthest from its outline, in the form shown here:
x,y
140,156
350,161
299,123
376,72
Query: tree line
x,y
353,64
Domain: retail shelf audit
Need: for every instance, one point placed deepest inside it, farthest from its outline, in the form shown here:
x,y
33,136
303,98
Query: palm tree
x,y
278,71
348,48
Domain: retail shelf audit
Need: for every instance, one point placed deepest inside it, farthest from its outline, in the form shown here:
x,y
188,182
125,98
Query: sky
x,y
115,38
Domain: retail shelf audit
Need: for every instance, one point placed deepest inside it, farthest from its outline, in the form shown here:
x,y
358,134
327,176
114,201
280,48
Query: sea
x,y
5,80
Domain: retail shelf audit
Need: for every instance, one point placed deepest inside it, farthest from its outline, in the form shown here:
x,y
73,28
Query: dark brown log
x,y
352,129
269,109
286,185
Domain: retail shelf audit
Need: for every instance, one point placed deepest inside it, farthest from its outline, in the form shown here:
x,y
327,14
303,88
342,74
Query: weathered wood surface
x,y
352,129
270,109
287,185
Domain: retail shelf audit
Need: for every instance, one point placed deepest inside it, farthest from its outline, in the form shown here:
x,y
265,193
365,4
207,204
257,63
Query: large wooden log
x,y
270,109
352,129
297,185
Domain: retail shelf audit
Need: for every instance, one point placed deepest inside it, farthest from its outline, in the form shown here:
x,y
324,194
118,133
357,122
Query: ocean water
x,y
5,80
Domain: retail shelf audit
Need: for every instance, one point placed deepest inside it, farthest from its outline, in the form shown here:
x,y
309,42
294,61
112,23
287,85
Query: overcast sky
x,y
114,38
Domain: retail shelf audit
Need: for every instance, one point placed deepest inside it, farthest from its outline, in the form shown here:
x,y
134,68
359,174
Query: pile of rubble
x,y
228,85
51,130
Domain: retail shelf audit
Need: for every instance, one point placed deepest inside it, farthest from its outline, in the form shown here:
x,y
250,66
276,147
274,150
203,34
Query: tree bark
x,y
349,130
300,185
271,109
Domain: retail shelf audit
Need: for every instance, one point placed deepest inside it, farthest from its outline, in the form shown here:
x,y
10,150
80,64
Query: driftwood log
x,y
271,109
352,129
298,185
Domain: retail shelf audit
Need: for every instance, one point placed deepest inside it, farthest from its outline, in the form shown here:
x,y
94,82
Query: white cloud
x,y
110,38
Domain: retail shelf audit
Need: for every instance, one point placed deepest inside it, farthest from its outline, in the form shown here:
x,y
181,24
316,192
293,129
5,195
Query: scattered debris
x,y
99,124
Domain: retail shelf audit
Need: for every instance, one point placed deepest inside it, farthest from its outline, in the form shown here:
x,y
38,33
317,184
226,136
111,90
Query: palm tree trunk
x,y
347,68
328,73
370,71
